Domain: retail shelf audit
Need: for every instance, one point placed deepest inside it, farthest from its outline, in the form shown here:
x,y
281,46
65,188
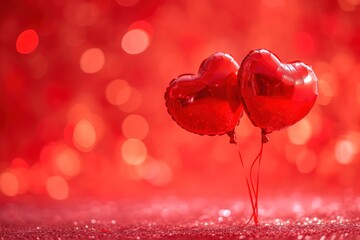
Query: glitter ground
x,y
290,217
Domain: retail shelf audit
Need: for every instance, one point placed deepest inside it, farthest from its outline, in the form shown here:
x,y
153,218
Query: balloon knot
x,y
232,137
264,137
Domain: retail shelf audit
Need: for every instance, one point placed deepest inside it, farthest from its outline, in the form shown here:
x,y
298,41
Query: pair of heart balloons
x,y
274,95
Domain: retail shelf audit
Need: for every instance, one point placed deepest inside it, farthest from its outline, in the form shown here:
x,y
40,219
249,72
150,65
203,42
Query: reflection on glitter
x,y
297,208
224,212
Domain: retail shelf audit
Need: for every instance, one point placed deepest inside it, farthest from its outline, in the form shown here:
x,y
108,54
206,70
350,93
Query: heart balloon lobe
x,y
207,102
276,94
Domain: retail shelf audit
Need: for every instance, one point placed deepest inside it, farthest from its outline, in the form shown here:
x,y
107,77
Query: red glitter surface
x,y
83,116
298,217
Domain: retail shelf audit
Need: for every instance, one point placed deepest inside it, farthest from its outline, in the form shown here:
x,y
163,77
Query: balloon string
x,y
248,187
256,190
253,191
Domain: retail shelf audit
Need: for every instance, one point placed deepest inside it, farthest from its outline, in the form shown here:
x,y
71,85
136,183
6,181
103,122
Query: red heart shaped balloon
x,y
275,94
207,102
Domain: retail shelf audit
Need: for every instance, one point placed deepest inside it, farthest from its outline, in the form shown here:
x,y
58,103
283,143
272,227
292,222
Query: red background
x,y
47,91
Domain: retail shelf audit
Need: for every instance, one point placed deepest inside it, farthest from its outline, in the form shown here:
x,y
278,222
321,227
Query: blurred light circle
x,y
134,151
135,126
9,184
67,161
325,93
291,151
92,60
157,173
118,92
127,3
135,41
84,136
57,188
133,102
345,151
306,161
300,133
27,41
343,62
224,213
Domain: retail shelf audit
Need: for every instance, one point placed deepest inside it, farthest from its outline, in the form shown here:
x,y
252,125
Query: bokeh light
x,y
67,161
82,102
133,102
134,151
135,126
27,41
157,173
345,151
325,93
57,188
92,60
118,92
9,184
300,133
135,41
306,161
84,136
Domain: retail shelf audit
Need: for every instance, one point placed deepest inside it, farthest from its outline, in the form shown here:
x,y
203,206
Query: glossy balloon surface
x,y
207,102
276,94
